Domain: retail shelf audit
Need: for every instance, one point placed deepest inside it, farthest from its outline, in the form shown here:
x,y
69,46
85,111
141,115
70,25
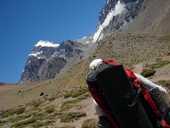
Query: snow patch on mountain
x,y
35,54
43,43
119,8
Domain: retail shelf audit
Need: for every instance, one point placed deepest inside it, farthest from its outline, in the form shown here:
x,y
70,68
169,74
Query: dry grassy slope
x,y
53,87
131,50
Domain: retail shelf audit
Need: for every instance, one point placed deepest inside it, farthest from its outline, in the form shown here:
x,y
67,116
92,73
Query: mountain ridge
x,y
47,59
112,17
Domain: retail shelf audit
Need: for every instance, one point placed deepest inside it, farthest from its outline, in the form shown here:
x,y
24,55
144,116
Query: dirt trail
x,y
138,68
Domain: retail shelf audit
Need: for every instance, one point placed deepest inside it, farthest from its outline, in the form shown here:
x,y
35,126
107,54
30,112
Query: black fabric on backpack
x,y
116,88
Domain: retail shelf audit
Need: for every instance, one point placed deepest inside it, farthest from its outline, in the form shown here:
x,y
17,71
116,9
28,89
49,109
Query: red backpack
x,y
154,113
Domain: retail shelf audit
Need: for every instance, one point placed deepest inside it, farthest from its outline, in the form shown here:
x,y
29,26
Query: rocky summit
x,y
48,58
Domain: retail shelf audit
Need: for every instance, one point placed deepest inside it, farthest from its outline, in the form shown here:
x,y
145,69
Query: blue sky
x,y
24,22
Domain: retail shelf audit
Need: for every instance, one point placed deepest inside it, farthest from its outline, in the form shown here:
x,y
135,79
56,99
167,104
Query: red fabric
x,y
146,96
144,91
112,62
98,97
164,124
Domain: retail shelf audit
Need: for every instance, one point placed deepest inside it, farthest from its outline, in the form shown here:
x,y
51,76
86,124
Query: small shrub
x,y
148,72
164,39
24,122
37,103
38,124
44,113
68,117
67,94
49,109
84,96
20,111
158,65
2,121
67,104
20,117
89,123
75,93
33,110
14,111
40,115
70,103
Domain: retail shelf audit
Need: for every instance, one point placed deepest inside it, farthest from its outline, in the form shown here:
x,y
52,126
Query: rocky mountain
x,y
117,16
48,58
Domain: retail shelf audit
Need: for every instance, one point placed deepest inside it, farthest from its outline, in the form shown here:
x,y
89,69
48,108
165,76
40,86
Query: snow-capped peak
x,y
119,8
43,43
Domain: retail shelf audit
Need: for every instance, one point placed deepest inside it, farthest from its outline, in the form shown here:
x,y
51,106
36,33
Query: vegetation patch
x,y
2,121
24,122
38,124
76,92
40,115
83,96
68,117
37,103
70,103
19,117
89,123
165,39
14,111
33,110
36,114
158,65
148,72
50,108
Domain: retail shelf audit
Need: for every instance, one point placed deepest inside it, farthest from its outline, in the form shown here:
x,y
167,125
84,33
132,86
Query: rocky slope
x,y
47,59
153,18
